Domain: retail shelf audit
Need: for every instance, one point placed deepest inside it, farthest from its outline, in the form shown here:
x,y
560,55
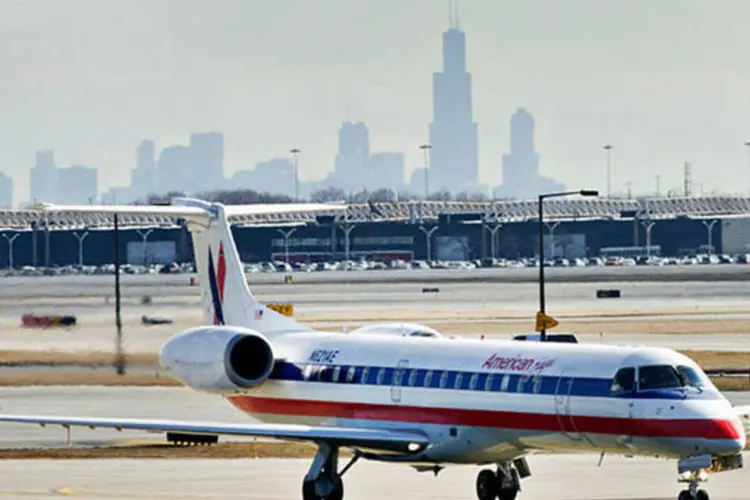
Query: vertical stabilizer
x,y
225,296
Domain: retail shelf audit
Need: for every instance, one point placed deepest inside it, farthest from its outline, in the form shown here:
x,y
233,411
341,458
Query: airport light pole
x,y
286,235
119,356
493,229
709,226
347,227
542,197
144,237
10,239
80,237
425,149
428,236
295,152
608,149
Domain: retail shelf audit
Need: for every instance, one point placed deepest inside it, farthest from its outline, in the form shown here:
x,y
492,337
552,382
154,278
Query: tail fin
x,y
225,296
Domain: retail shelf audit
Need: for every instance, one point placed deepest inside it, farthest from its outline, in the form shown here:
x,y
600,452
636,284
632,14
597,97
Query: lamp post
x,y
428,235
425,148
80,237
295,152
608,149
286,235
10,239
709,226
144,237
347,227
542,197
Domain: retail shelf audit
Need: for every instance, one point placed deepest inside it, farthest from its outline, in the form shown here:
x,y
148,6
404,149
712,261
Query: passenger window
x,y
428,378
381,376
488,382
443,380
459,379
473,381
519,386
412,378
505,383
321,371
308,372
537,384
658,377
336,373
365,374
398,375
624,381
350,374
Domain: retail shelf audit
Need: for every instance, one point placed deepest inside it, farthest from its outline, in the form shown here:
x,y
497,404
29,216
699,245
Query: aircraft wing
x,y
377,439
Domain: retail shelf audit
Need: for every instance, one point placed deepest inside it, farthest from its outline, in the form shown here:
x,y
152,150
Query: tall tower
x,y
453,132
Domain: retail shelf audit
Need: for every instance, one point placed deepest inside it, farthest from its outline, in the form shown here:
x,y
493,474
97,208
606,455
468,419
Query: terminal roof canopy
x,y
400,211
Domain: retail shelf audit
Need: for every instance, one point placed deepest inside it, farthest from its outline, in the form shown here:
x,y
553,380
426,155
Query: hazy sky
x,y
663,81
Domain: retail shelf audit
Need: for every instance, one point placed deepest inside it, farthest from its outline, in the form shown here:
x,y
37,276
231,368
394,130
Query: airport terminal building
x,y
573,228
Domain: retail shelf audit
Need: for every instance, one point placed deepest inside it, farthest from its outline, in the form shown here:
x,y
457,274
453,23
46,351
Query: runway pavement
x,y
569,477
335,306
179,284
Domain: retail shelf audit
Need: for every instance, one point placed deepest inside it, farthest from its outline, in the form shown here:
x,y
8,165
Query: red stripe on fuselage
x,y
636,427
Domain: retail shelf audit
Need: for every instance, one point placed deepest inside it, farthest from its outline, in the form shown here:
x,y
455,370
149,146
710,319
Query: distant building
x,y
43,178
207,168
175,168
6,191
350,172
386,170
77,185
454,163
273,176
143,179
521,178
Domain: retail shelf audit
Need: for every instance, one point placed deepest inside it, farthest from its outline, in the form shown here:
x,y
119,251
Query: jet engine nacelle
x,y
218,358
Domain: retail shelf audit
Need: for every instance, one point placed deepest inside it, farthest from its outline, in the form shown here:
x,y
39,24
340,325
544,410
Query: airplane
x,y
405,394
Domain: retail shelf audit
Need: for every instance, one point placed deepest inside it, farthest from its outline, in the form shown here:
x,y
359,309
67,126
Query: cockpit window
x,y
624,381
658,377
691,377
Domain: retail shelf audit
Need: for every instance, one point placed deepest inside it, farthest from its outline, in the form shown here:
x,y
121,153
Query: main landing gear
x,y
503,484
693,493
323,480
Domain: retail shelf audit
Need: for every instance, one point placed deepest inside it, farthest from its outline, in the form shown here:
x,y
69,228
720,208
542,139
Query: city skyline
x,y
673,93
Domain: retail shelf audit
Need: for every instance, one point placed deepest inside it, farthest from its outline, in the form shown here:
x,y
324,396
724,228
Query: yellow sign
x,y
544,322
285,309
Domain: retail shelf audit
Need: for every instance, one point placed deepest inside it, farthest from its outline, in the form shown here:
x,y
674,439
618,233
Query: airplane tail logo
x,y
217,278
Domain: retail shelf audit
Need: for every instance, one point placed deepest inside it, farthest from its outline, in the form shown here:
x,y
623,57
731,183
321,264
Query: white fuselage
x,y
485,401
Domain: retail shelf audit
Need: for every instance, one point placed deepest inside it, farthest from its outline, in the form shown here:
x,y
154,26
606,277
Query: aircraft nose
x,y
731,434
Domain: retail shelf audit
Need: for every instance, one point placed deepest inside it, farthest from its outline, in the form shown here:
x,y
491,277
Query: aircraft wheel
x,y
701,495
324,488
486,485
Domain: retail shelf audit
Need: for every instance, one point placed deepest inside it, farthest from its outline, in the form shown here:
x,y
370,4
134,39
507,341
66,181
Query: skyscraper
x,y
350,172
453,132
521,177
143,180
43,181
207,154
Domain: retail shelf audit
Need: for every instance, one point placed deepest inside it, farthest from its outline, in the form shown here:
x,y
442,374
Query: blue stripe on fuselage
x,y
473,381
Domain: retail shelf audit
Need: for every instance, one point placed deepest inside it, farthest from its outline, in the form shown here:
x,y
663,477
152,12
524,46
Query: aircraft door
x,y
563,411
399,379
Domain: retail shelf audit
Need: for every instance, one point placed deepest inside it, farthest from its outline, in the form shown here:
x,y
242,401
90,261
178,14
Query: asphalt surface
x,y
569,477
